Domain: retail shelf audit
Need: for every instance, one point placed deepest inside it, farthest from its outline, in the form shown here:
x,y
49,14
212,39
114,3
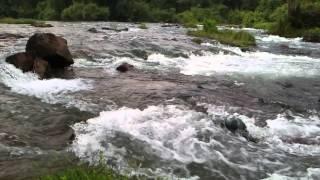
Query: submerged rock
x,y
125,67
170,25
115,29
41,25
44,51
93,30
235,124
10,36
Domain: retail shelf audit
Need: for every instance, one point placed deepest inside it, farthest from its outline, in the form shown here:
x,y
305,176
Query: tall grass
x,y
86,173
9,20
235,38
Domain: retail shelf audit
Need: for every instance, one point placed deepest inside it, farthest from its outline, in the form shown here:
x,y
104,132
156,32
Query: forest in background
x,y
289,18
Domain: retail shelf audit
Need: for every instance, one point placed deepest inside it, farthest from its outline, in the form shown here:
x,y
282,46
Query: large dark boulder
x,y
51,48
45,54
23,61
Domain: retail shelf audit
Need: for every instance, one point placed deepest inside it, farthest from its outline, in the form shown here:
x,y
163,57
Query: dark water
x,y
163,118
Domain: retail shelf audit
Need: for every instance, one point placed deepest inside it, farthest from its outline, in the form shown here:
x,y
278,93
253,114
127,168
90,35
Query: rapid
x,y
165,118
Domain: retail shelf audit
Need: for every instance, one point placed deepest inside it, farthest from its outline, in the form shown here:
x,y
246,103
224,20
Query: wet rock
x,y
41,67
197,40
235,124
115,29
125,67
44,52
51,48
170,25
23,61
245,49
10,36
93,30
41,25
285,85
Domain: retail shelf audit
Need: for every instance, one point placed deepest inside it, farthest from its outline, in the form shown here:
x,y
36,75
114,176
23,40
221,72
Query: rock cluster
x,y
45,52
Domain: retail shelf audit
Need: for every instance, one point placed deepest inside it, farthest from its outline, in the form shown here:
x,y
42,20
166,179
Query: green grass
x,y
17,21
86,173
143,26
31,22
234,38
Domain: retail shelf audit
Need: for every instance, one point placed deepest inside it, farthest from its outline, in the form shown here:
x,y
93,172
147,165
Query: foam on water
x,y
249,63
295,135
167,129
50,91
312,174
278,39
175,134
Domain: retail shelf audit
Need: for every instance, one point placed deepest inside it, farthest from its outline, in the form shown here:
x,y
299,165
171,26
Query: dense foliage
x,y
124,10
283,17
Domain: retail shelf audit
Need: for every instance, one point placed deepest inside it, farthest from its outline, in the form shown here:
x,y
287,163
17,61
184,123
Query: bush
x,y
87,12
234,38
188,19
74,12
312,35
46,12
92,12
160,15
210,26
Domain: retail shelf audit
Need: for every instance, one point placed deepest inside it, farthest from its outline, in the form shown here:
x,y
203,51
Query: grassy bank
x,y
240,39
31,22
235,38
86,173
17,21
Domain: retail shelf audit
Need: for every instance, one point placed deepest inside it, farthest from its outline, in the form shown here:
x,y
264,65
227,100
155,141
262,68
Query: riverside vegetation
x,y
290,18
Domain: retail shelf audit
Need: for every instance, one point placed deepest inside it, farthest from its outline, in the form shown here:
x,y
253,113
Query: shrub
x,y
46,12
188,19
88,12
210,26
85,173
234,38
74,12
312,35
92,12
161,15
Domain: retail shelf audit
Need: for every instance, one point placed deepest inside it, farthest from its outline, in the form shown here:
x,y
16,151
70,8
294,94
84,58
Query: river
x,y
164,118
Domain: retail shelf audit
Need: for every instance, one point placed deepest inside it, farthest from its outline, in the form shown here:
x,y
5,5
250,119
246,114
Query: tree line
x,y
283,17
117,10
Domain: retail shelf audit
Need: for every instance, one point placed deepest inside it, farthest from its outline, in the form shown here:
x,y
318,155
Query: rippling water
x,y
165,117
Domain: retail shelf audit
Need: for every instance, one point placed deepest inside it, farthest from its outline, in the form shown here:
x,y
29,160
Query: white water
x,y
171,133
208,64
51,91
311,174
250,63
